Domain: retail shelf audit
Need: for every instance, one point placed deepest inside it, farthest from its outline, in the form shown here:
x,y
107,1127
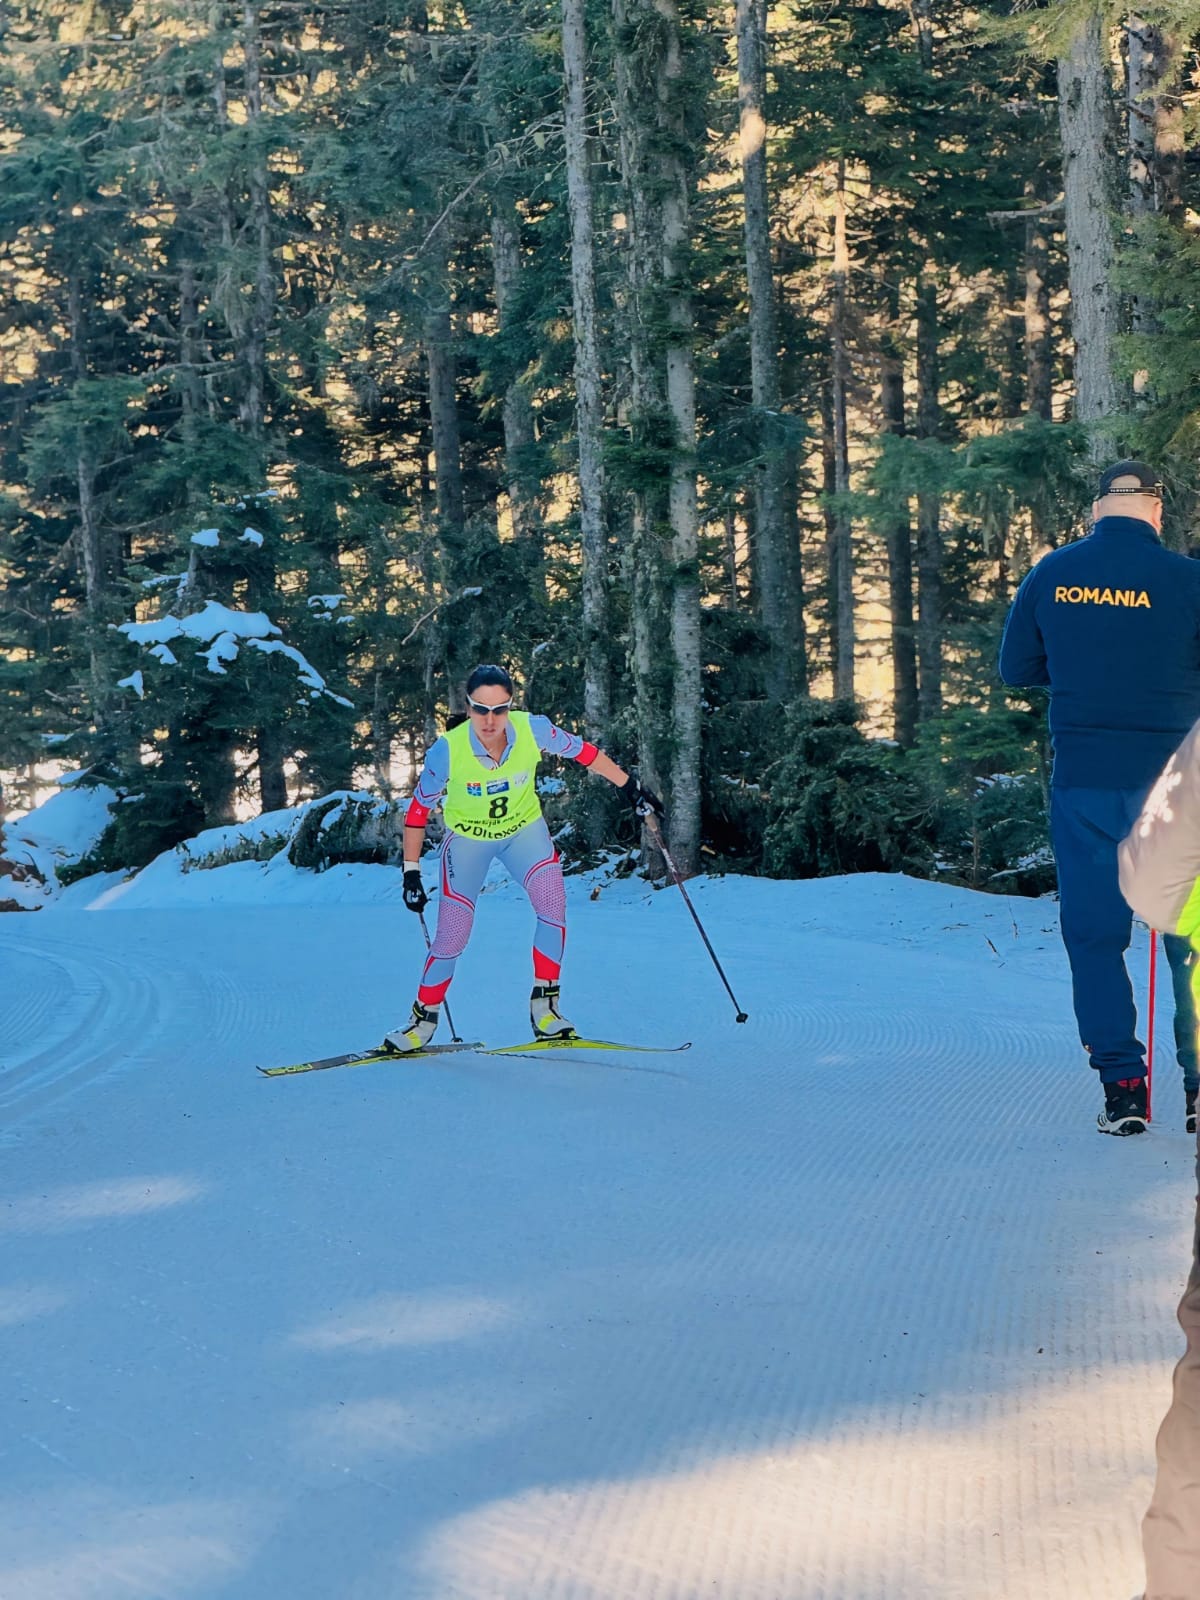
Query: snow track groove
x,y
101,998
83,1009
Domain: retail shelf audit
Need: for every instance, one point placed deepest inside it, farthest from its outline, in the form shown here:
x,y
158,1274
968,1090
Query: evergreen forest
x,y
717,366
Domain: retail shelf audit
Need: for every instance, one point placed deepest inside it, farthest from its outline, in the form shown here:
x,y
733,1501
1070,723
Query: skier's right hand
x,y
415,897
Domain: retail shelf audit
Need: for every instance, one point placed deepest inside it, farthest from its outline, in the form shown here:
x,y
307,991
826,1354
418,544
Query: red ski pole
x,y
1150,1023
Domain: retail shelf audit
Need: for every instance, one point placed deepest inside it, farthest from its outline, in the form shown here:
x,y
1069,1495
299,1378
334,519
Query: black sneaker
x,y
1124,1107
1190,1099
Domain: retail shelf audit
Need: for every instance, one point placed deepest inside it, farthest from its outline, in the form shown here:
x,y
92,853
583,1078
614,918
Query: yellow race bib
x,y
492,802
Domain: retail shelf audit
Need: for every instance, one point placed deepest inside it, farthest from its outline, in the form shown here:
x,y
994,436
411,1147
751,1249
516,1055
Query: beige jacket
x,y
1160,860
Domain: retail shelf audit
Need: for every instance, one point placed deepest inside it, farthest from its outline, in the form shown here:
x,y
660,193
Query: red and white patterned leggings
x,y
532,861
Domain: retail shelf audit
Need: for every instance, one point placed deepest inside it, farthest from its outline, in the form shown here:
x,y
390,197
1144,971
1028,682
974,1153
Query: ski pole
x,y
446,1003
656,832
1150,1023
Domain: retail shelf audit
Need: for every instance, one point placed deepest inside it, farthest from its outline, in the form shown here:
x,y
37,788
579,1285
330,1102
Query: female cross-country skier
x,y
484,771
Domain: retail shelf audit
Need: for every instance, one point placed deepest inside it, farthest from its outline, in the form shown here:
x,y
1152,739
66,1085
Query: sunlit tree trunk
x,y
589,416
521,477
777,549
1155,120
841,548
665,561
251,333
253,344
1039,351
445,437
1155,143
929,510
95,555
1087,124
898,539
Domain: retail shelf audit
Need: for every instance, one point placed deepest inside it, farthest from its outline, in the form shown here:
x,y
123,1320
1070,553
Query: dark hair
x,y
489,676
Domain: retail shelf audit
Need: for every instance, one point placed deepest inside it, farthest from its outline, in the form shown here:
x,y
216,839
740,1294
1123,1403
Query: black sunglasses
x,y
478,710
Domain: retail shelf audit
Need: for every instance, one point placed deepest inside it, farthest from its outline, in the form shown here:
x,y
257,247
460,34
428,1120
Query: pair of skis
x,y
361,1058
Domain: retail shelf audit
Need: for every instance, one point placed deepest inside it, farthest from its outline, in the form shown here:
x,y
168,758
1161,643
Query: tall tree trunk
x,y
218,781
443,423
922,20
666,593
649,615
684,516
521,477
1038,346
929,509
272,781
589,415
433,631
97,579
381,730
841,552
1155,136
191,387
448,486
1087,124
780,581
791,534
1155,120
272,746
829,480
262,300
729,523
90,541
1039,342
898,541
191,402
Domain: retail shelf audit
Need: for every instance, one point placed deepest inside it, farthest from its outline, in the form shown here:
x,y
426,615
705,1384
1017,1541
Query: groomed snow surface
x,y
849,1303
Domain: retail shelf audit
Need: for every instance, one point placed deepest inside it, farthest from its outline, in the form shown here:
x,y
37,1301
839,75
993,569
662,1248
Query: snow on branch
x,y
223,631
203,625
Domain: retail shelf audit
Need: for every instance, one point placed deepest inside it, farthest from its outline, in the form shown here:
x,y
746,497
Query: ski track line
x,y
105,997
114,1010
964,1066
30,1007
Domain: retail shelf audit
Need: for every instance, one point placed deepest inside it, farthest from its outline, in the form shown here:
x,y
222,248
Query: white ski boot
x,y
422,1026
548,1021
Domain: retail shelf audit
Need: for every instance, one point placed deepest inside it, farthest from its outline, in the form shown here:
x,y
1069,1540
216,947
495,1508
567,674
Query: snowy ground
x,y
849,1303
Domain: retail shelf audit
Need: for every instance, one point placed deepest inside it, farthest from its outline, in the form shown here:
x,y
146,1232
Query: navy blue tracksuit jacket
x,y
1111,626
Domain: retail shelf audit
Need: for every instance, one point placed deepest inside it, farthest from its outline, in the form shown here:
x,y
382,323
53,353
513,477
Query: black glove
x,y
641,800
415,897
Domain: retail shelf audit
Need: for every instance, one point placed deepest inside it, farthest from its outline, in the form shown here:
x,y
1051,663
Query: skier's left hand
x,y
641,799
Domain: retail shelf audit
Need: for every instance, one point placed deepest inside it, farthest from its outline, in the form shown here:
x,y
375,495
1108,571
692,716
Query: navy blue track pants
x,y
1086,826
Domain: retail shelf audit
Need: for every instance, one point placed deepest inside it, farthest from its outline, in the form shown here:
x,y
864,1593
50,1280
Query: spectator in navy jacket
x,y
1111,626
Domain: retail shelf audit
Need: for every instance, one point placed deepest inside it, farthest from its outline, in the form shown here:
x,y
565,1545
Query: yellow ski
x,y
575,1043
361,1058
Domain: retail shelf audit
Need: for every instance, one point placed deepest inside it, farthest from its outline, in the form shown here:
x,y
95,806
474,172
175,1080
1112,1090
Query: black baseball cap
x,y
1148,481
